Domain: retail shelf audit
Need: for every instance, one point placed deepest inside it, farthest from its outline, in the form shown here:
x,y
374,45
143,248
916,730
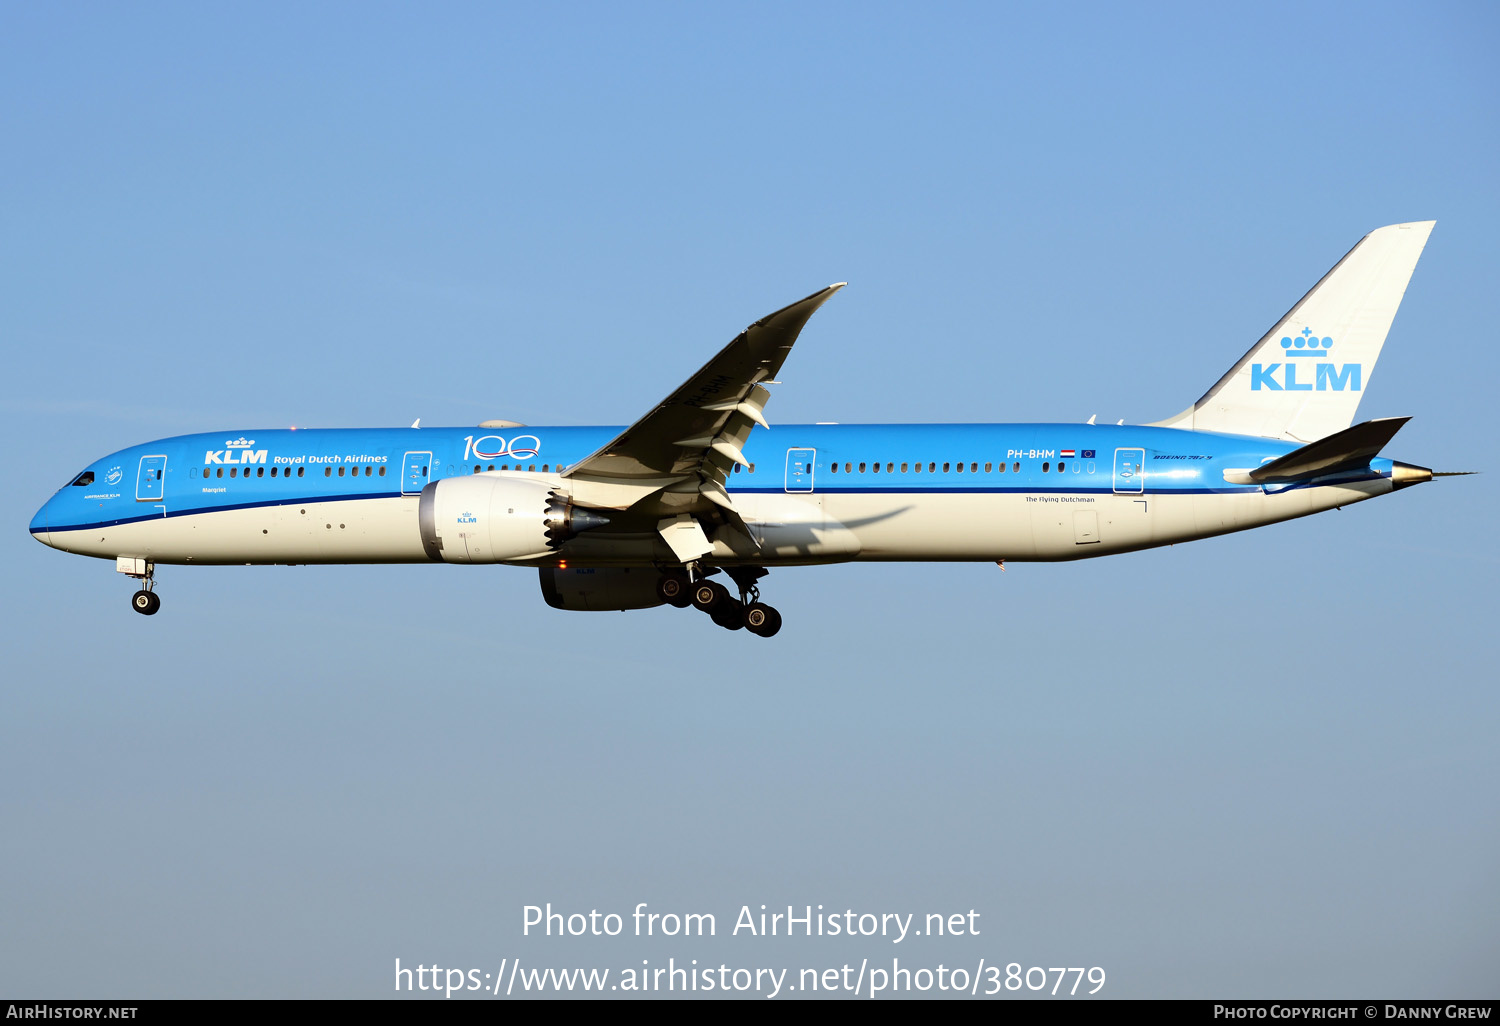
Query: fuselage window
x,y
300,470
903,468
327,471
946,467
1045,467
960,468
875,468
341,472
1016,466
206,471
273,471
369,471
973,468
86,478
988,467
1062,466
932,468
848,468
260,471
424,471
234,471
220,472
1002,468
861,468
752,468
916,468
382,471
544,468
833,468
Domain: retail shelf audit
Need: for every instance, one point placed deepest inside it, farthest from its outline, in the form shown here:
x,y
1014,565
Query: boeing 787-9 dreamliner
x,y
625,518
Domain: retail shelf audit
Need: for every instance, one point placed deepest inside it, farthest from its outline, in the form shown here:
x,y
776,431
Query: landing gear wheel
x,y
730,615
673,588
145,602
709,596
762,619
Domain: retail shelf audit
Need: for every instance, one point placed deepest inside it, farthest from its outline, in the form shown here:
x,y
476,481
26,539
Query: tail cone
x,y
1404,475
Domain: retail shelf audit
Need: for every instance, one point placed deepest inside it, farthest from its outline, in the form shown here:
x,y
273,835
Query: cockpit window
x,y
86,478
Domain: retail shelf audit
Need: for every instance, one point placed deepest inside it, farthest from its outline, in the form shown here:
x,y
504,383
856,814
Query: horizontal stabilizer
x,y
1350,449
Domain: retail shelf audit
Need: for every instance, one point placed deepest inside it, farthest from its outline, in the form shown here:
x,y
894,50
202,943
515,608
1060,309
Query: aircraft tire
x,y
762,619
673,589
708,596
730,615
145,602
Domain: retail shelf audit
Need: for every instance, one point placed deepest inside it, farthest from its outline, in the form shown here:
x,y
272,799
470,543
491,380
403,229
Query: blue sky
x,y
1260,765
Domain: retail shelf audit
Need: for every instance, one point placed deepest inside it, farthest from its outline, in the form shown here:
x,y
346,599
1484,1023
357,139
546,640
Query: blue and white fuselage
x,y
876,492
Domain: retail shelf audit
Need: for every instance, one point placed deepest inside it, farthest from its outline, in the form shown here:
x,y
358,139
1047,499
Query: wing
x,y
686,446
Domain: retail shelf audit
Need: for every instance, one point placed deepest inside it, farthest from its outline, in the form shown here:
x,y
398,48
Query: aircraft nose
x,y
39,529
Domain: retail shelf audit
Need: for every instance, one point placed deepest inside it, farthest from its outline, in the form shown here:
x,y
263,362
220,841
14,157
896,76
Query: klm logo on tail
x,y
1307,357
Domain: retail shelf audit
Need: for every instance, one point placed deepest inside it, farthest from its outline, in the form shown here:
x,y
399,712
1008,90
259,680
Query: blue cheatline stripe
x,y
170,514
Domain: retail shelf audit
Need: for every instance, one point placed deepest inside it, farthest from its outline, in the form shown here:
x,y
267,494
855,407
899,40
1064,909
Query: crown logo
x,y
1306,344
240,442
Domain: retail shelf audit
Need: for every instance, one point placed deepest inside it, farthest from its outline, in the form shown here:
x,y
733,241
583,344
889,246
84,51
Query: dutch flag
x,y
1066,452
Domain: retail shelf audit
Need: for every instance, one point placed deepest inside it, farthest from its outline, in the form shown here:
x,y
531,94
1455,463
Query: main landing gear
x,y
689,588
146,601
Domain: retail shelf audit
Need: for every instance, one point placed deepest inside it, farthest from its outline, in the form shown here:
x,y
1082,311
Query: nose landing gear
x,y
146,601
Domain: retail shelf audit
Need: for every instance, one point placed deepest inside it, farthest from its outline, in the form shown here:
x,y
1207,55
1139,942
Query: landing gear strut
x,y
146,601
683,588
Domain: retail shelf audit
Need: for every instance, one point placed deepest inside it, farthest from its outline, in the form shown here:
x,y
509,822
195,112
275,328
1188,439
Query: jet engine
x,y
608,588
497,519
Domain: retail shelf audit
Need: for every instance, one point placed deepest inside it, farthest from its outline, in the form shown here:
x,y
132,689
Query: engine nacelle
x,y
489,518
609,588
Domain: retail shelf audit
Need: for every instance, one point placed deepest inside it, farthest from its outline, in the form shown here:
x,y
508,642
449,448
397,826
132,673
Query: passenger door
x,y
150,479
799,469
1130,466
416,471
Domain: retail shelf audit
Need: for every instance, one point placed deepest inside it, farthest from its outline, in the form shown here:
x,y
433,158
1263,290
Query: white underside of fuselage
x,y
786,529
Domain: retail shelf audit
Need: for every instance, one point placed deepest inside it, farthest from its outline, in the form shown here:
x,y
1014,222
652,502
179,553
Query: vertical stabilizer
x,y
1304,379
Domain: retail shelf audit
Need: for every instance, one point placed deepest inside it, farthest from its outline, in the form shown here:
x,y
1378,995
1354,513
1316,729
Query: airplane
x,y
647,515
